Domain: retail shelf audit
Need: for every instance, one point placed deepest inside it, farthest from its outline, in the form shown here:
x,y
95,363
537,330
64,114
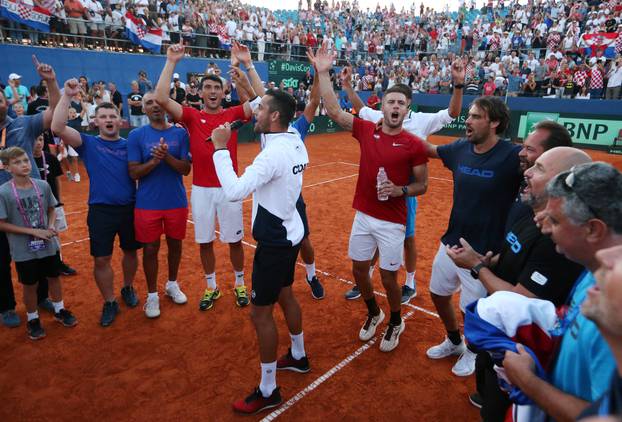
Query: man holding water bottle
x,y
390,156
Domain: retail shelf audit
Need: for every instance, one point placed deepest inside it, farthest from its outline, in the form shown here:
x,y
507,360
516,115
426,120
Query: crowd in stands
x,y
543,48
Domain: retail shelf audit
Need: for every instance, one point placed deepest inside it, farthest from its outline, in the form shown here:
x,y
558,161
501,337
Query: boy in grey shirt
x,y
27,215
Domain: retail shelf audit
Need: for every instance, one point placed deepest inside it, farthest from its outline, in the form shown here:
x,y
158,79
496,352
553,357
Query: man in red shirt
x,y
207,199
380,208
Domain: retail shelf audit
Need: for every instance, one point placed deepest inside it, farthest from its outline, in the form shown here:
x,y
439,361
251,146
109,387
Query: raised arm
x,y
323,62
241,54
245,90
314,99
174,54
46,72
458,76
346,76
59,119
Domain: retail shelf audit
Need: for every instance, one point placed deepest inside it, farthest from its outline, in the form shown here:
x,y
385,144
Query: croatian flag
x,y
26,13
139,33
604,41
498,323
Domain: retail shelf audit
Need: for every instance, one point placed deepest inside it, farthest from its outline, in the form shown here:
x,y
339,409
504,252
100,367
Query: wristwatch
x,y
405,190
475,270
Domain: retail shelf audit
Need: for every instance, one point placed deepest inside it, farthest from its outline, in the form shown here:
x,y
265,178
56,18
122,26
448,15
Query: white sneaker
x,y
369,328
465,365
152,307
391,337
76,177
174,292
446,348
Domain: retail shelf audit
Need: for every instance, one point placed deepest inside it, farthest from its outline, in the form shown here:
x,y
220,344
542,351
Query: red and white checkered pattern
x,y
580,77
24,11
553,40
597,78
618,46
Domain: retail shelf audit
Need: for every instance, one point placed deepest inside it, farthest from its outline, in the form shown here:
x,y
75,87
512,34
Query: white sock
x,y
58,306
410,280
153,295
310,270
371,271
172,283
298,346
211,281
268,378
239,278
34,315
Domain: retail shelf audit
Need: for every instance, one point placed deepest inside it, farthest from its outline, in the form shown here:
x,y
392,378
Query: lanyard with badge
x,y
34,244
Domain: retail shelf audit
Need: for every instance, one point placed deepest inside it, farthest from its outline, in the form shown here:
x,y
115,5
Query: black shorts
x,y
105,222
273,269
30,272
302,210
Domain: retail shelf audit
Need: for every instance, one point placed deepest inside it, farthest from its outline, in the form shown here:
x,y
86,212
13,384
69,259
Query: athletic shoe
x,y
109,313
241,297
76,177
256,402
408,293
476,400
66,270
152,307
174,292
317,290
288,362
66,318
10,319
391,337
465,365
129,296
369,328
353,293
445,349
35,330
209,296
46,305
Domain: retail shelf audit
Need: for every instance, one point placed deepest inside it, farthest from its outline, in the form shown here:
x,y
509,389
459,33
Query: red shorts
x,y
150,224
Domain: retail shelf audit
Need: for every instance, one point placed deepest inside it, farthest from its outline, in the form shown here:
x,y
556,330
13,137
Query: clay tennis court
x,y
191,365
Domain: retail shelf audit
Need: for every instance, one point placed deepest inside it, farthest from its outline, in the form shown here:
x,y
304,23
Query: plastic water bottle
x,y
380,179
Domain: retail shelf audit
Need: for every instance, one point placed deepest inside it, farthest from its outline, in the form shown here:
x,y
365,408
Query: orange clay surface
x,y
191,365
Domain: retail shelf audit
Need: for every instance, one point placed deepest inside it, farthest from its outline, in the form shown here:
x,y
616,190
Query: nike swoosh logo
x,y
397,145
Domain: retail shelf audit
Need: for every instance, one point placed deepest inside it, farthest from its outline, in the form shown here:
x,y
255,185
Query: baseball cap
x,y
175,75
14,76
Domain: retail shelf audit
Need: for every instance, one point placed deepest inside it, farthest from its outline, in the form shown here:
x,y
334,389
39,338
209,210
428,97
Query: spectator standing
x,y
135,101
614,80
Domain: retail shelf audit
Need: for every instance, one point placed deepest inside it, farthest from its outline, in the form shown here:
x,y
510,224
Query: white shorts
x,y
369,233
447,278
209,204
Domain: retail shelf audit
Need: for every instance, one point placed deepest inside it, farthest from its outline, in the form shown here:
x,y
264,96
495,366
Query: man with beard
x,y
380,220
527,264
111,197
583,215
158,158
486,175
207,198
275,179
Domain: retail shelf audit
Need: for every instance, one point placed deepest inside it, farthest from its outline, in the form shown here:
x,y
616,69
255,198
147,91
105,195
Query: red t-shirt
x,y
398,154
200,126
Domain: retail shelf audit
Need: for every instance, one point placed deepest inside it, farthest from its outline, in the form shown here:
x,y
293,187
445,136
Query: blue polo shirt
x,y
106,164
485,186
162,188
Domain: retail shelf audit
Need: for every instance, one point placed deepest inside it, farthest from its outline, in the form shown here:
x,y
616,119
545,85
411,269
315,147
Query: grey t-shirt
x,y
9,211
22,132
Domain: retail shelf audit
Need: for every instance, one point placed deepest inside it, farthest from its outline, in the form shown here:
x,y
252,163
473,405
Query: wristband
x,y
254,103
251,67
459,86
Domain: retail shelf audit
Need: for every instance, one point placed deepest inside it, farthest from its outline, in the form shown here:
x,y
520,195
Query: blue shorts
x,y
411,215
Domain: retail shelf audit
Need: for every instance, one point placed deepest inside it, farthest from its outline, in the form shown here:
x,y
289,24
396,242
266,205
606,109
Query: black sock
x,y
372,306
454,337
471,348
396,318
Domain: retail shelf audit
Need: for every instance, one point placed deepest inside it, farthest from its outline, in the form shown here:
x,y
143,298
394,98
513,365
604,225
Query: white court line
x,y
75,212
75,241
429,177
325,377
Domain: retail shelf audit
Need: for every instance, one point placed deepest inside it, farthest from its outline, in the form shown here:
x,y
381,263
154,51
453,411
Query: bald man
x,y
527,264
